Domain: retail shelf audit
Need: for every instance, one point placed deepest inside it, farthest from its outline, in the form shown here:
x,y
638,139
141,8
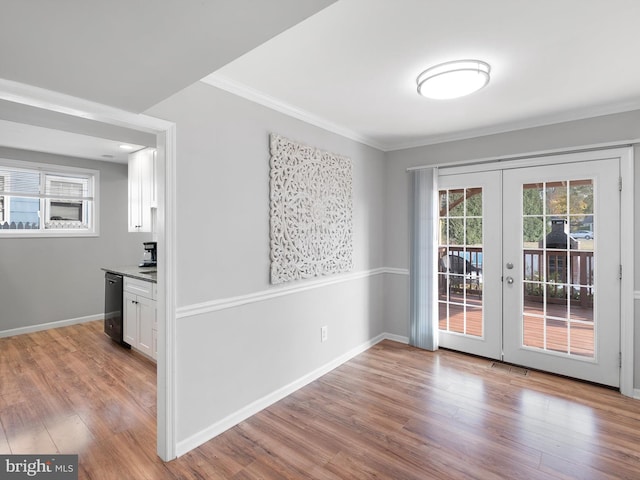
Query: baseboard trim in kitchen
x,y
50,325
235,418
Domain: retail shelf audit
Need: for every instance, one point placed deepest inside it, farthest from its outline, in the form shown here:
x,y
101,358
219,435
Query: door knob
x,y
509,280
510,266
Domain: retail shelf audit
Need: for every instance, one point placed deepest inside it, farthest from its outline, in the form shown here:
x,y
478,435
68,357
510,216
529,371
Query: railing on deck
x,y
560,277
576,275
464,266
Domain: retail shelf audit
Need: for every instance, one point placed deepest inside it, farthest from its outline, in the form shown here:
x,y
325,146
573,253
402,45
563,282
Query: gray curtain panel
x,y
424,217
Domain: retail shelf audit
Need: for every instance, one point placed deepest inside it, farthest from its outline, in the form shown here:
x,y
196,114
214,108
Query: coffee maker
x,y
149,259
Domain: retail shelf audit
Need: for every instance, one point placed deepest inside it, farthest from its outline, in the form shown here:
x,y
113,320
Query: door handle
x,y
509,266
509,280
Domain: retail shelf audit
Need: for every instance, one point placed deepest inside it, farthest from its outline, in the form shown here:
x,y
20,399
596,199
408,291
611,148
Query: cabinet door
x,y
146,319
130,318
155,345
141,184
152,179
146,176
135,194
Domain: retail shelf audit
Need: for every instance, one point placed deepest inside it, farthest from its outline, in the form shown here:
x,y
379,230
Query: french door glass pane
x,y
460,266
558,250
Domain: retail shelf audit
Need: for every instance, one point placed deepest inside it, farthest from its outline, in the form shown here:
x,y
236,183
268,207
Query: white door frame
x,y
602,365
489,344
166,143
625,153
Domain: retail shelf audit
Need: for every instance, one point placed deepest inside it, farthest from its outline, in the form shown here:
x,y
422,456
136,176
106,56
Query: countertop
x,y
142,273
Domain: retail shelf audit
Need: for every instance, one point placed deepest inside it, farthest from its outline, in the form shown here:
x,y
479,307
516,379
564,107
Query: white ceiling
x,y
124,54
134,54
352,67
58,142
30,128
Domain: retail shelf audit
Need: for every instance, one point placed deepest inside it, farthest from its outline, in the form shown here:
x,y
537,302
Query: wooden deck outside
x,y
567,330
567,324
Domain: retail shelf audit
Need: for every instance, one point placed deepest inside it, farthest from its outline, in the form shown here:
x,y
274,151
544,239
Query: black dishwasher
x,y
113,307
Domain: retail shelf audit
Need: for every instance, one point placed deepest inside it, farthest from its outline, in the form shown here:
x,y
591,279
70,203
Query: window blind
x,y
20,183
29,184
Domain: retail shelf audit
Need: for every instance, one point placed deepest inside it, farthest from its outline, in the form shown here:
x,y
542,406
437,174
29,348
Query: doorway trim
x,y
623,151
165,133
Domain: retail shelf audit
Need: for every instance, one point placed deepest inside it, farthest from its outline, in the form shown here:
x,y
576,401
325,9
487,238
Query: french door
x,y
469,263
529,261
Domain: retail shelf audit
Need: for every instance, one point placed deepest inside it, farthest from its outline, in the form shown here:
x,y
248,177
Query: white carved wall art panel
x,y
310,211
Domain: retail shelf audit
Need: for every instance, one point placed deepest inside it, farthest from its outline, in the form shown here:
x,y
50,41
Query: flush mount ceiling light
x,y
453,79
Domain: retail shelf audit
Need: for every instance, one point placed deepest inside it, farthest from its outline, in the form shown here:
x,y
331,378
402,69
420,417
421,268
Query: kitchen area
x,y
131,291
59,286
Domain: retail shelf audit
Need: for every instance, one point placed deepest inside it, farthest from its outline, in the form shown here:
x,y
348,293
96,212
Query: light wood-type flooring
x,y
393,412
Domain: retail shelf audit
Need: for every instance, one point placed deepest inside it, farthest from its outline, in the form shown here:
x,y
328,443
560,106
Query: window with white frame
x,y
47,200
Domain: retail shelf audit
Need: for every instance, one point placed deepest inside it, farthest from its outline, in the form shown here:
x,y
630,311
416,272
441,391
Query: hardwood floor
x,y
393,412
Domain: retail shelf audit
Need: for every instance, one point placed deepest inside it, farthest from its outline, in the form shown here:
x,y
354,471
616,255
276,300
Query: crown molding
x,y
241,90
541,121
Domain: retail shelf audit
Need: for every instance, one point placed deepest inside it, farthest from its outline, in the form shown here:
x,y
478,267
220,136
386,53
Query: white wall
x,y
610,128
45,280
231,356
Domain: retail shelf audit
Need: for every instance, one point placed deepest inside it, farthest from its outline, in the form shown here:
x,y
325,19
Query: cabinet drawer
x,y
139,287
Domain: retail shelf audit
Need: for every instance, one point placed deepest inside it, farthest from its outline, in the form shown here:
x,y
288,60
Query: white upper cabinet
x,y
142,190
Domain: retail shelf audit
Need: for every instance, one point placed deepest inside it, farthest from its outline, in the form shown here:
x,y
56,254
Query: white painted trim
x,y
78,107
53,169
275,292
396,338
636,393
244,91
50,325
520,159
166,228
397,271
628,275
166,135
235,418
512,126
627,295
636,295
241,90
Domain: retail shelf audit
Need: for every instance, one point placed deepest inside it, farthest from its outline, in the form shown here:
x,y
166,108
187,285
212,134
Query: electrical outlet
x,y
323,334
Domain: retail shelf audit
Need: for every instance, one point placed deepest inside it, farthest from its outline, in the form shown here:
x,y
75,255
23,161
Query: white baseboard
x,y
396,338
50,325
232,420
636,393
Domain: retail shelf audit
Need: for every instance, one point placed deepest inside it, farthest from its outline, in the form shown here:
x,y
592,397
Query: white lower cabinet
x,y
140,323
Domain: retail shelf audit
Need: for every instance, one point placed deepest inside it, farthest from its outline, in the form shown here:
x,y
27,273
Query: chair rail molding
x,y
260,296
